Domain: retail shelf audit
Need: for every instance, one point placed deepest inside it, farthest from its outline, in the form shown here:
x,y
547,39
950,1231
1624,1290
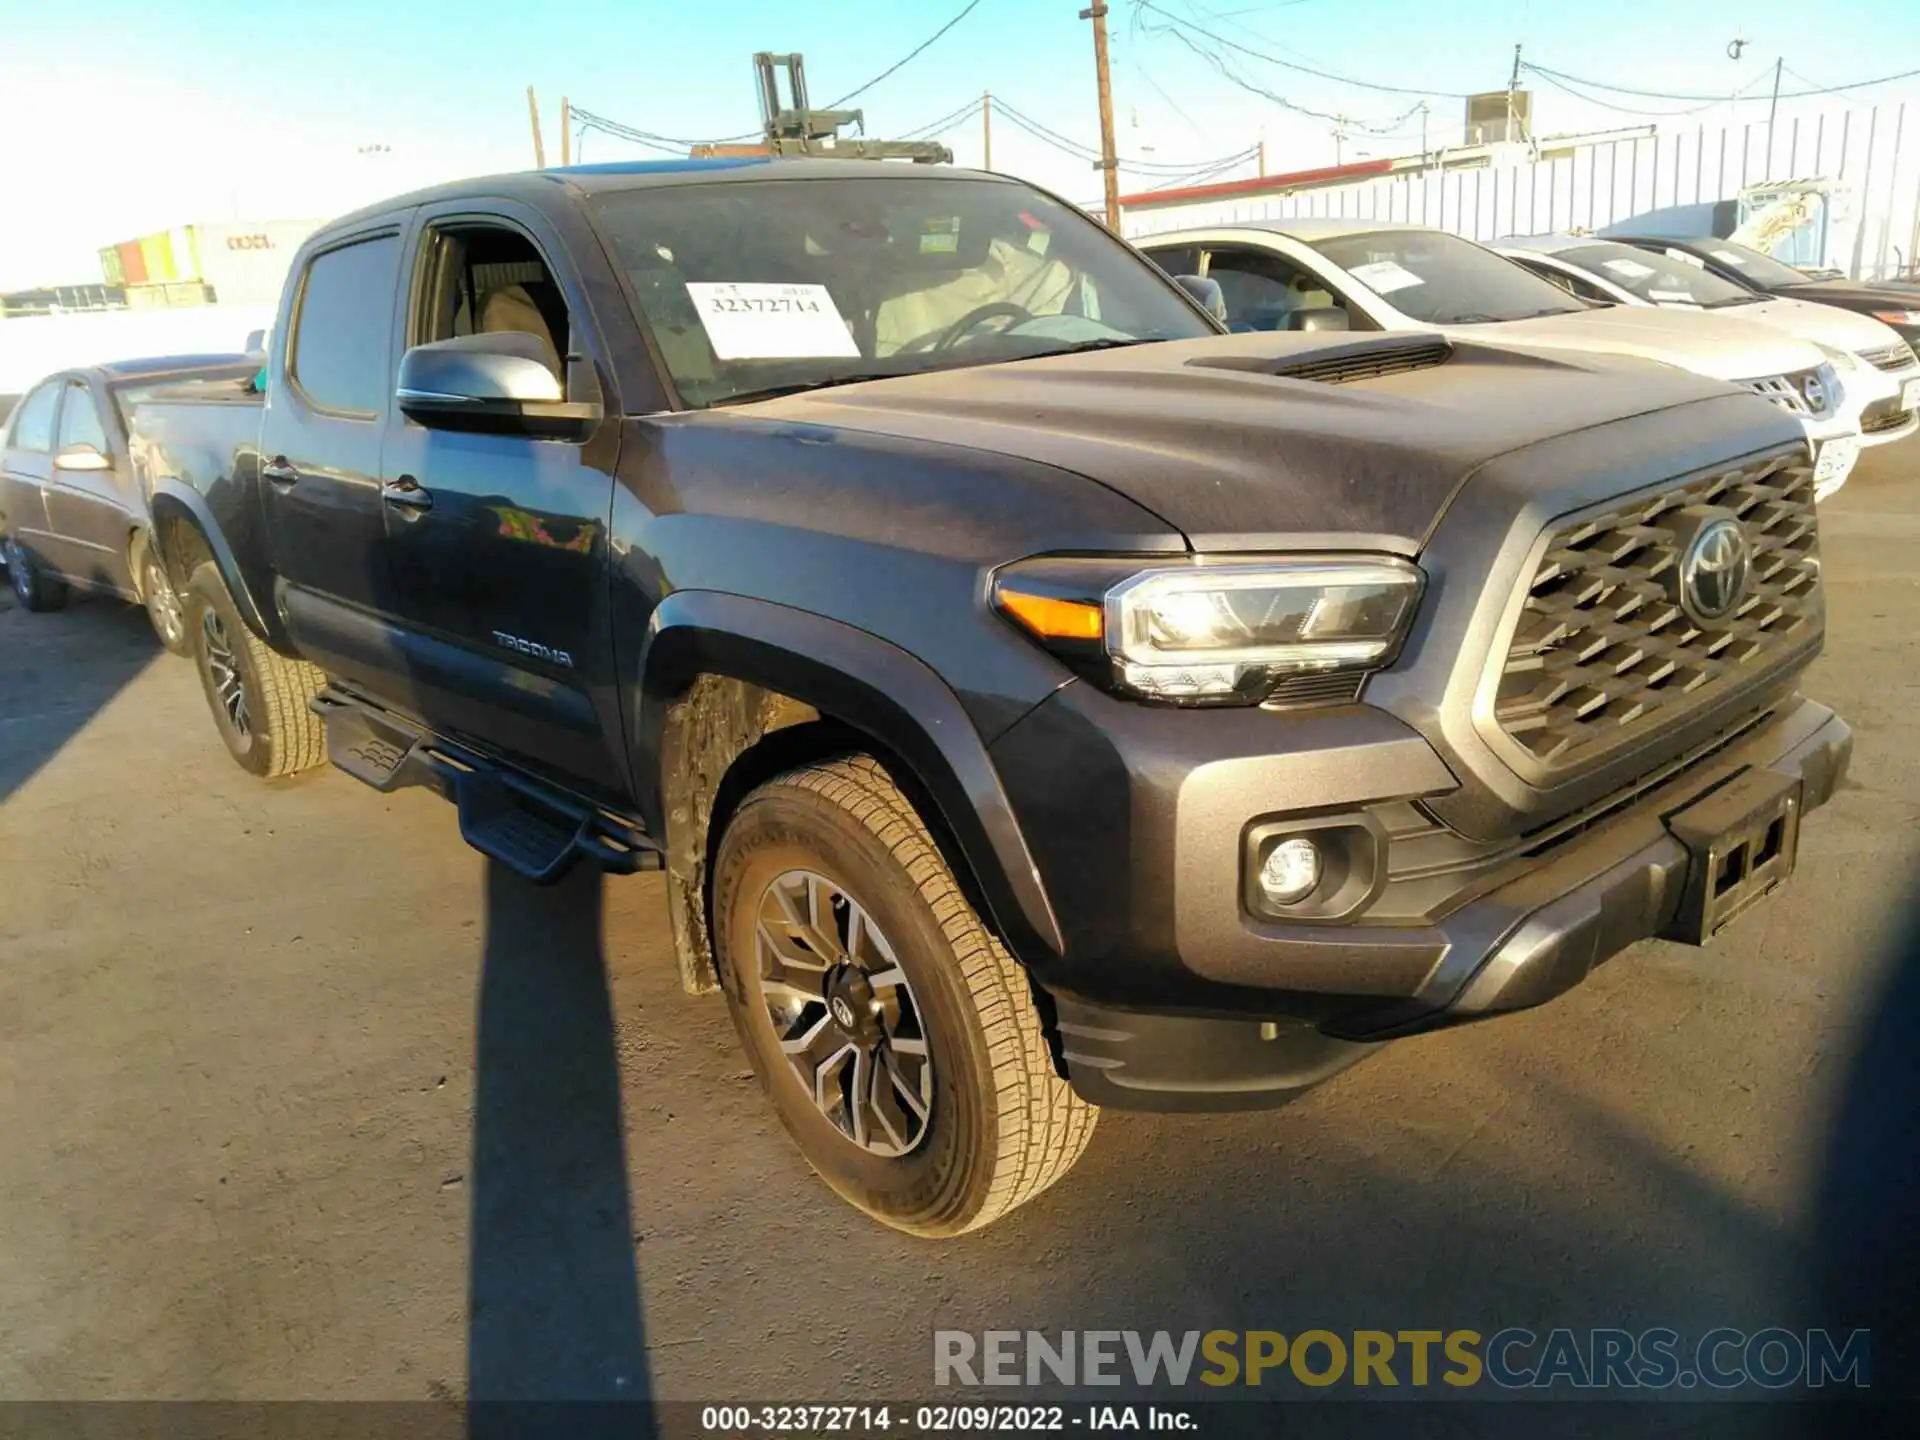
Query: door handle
x,y
278,472
406,493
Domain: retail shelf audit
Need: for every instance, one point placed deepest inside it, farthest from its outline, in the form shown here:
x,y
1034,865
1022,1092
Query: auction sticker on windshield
x,y
1632,269
1383,277
772,322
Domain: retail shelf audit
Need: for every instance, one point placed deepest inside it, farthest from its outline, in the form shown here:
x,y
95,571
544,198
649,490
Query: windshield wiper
x,y
1733,300
1081,347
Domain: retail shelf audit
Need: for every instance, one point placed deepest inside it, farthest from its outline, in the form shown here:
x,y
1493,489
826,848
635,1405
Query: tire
x,y
996,1125
32,587
258,696
166,612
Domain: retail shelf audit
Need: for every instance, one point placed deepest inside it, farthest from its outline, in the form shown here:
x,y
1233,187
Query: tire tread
x,y
1042,1127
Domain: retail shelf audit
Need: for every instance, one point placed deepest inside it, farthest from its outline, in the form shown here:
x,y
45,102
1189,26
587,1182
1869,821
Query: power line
x,y
1220,64
1726,99
1198,29
1714,99
1079,151
912,54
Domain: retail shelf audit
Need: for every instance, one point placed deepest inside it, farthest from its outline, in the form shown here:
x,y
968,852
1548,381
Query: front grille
x,y
1800,393
1882,416
1602,642
1897,356
1370,363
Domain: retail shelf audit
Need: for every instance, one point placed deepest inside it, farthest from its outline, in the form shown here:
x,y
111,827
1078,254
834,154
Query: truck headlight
x,y
1222,633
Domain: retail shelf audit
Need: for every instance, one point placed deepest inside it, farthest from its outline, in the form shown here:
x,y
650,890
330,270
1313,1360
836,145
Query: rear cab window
x,y
80,419
341,330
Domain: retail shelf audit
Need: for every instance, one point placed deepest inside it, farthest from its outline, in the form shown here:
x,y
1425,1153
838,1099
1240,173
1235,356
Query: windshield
x,y
1440,279
1754,265
757,287
1660,279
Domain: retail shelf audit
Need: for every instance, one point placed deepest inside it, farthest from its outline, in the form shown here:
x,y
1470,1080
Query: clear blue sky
x,y
143,115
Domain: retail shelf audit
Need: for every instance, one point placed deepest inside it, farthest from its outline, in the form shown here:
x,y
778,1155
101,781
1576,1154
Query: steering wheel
x,y
958,330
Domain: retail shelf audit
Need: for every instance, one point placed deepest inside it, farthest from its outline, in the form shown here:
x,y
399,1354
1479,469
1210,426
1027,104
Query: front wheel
x,y
897,1038
165,610
258,696
32,586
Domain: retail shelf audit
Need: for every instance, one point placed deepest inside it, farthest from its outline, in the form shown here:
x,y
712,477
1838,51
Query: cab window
x,y
1265,291
33,421
80,420
489,279
340,333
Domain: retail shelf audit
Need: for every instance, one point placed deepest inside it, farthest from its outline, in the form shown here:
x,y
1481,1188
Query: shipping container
x,y
133,263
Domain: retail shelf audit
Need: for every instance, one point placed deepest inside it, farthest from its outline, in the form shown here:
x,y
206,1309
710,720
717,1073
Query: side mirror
x,y
1208,293
1320,317
496,382
256,343
81,457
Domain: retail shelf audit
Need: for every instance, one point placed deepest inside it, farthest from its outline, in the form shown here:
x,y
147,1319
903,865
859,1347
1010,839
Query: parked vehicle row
x,y
1038,698
1307,274
1877,367
71,508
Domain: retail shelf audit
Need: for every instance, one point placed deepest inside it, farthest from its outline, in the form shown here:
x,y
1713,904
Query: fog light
x,y
1291,871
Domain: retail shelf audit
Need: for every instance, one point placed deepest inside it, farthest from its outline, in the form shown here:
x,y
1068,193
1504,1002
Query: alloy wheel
x,y
843,1012
163,604
19,570
224,670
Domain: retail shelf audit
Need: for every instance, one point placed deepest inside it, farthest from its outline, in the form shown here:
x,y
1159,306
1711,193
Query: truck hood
x,y
1218,440
1707,344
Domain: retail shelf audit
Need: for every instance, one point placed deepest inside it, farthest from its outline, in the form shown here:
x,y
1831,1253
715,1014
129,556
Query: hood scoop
x,y
1343,364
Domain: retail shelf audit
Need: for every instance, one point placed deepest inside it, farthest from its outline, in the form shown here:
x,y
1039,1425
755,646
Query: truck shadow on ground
x,y
59,670
554,1309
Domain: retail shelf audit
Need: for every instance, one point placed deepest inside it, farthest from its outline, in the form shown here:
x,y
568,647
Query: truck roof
x,y
534,186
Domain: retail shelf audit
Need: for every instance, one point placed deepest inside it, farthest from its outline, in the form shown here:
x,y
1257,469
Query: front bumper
x,y
1272,1009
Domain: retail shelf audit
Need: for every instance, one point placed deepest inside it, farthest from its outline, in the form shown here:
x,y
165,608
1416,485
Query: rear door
x,y
496,545
319,460
26,469
87,509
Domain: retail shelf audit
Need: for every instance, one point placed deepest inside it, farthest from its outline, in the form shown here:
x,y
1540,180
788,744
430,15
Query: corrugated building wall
x,y
1871,153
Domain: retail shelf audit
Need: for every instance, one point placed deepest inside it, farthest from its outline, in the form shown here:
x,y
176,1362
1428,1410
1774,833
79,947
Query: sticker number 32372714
x,y
772,322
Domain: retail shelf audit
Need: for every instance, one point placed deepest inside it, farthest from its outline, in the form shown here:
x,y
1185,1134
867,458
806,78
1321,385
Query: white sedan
x,y
1878,369
1312,274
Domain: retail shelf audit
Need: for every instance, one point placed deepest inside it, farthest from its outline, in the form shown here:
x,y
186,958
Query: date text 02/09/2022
x,y
940,1419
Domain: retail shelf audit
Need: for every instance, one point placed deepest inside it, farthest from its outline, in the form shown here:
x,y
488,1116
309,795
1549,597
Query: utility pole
x,y
1423,135
533,114
986,129
1771,111
566,132
1107,163
1513,87
1339,141
1263,155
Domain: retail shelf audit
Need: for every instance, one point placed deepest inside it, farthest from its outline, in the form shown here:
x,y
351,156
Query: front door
x,y
26,469
86,509
320,455
496,545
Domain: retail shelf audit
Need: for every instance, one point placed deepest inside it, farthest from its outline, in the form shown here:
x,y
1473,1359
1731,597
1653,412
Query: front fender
x,y
174,504
864,682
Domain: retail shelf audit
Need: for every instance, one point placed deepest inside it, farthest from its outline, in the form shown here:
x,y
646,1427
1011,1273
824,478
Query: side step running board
x,y
535,830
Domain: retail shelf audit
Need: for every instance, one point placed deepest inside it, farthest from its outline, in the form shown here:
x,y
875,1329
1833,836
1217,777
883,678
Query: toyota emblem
x,y
1715,570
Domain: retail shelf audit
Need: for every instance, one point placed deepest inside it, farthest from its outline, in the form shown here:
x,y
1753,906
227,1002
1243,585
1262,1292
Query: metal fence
x,y
1872,153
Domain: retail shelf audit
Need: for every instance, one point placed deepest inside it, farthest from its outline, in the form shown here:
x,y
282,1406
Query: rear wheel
x,y
32,586
896,1037
258,696
165,610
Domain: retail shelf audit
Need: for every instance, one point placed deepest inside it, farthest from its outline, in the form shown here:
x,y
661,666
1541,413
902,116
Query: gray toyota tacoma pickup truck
x,y
1037,699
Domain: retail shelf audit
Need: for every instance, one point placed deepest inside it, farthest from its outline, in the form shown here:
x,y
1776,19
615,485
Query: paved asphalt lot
x,y
298,1100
